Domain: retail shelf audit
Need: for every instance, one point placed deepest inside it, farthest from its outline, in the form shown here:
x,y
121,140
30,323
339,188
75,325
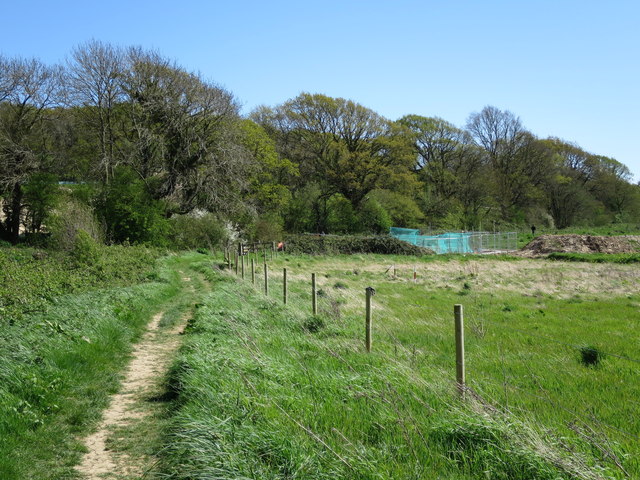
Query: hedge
x,y
350,244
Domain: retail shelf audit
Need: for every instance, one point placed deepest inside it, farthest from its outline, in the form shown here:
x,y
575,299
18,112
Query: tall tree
x,y
95,83
516,157
31,88
184,140
345,147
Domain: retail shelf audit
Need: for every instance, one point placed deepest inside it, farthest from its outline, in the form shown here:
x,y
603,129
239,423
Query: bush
x,y
350,244
590,356
130,213
373,217
69,218
196,230
85,250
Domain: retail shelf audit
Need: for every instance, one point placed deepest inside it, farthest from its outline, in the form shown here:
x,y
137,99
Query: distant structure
x,y
459,242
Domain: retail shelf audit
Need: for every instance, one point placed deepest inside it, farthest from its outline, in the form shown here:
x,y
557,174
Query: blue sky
x,y
567,68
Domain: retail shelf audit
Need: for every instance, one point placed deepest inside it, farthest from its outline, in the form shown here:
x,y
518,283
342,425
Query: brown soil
x,y
150,361
545,244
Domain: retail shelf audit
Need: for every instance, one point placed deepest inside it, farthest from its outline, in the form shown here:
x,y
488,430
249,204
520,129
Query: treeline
x,y
128,146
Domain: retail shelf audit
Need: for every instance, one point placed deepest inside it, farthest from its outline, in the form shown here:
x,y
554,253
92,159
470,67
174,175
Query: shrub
x,y
85,249
196,230
69,218
350,244
129,212
590,356
373,217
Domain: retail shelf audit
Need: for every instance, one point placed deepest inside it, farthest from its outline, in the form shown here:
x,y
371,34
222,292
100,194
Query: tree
x,y
269,184
184,139
517,159
95,83
343,146
30,88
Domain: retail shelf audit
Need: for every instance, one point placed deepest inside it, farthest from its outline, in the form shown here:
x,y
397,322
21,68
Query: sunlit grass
x,y
268,391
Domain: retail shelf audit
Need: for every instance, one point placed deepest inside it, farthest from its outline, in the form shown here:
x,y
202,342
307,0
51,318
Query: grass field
x,y
66,333
267,391
262,390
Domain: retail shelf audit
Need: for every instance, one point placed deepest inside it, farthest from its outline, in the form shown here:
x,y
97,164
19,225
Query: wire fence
x,y
480,386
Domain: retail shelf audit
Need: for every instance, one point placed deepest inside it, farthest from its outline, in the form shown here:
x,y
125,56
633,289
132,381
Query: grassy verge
x,y
61,355
273,392
596,257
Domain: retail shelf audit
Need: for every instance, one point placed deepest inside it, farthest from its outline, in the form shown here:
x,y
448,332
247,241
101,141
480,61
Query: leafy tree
x,y
341,216
40,196
403,210
184,139
373,217
343,146
272,174
94,80
518,161
29,88
129,212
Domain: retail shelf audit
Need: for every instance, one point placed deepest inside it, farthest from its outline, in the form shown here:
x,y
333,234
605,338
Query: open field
x,y
262,390
273,392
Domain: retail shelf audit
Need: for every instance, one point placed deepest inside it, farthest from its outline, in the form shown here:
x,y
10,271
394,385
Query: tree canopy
x,y
147,145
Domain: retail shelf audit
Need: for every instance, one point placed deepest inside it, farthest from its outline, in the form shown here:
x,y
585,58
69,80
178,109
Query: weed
x,y
313,324
590,356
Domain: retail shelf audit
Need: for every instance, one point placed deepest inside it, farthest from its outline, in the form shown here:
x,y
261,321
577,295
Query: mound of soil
x,y
545,244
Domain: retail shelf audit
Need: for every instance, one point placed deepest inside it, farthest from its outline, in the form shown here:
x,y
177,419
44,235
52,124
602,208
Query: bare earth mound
x,y
545,244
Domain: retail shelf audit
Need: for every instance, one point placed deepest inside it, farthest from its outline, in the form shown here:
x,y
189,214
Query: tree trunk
x,y
13,215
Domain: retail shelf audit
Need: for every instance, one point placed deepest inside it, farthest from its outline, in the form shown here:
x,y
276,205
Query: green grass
x,y
596,257
61,358
267,391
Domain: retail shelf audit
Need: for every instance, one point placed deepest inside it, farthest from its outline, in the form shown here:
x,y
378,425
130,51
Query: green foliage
x,y
30,278
41,193
269,228
590,356
342,217
70,217
129,212
192,231
85,250
373,217
334,244
404,211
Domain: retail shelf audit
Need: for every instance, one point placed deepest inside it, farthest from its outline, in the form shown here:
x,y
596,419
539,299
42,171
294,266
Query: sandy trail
x,y
150,361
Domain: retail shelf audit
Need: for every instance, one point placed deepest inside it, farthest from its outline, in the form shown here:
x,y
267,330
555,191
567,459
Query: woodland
x,y
130,147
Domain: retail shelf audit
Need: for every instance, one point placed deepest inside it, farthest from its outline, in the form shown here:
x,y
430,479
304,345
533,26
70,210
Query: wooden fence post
x,y
253,271
236,262
370,292
284,286
459,327
228,258
314,297
266,279
415,275
242,266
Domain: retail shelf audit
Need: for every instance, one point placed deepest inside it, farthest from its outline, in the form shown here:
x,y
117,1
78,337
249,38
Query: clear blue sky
x,y
568,68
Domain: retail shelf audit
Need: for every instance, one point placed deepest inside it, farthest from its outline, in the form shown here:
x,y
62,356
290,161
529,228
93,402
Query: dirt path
x,y
150,361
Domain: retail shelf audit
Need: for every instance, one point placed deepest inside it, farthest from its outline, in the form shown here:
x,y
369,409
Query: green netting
x,y
444,243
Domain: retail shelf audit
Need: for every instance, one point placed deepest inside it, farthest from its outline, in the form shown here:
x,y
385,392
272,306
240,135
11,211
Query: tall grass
x,y
61,358
266,391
